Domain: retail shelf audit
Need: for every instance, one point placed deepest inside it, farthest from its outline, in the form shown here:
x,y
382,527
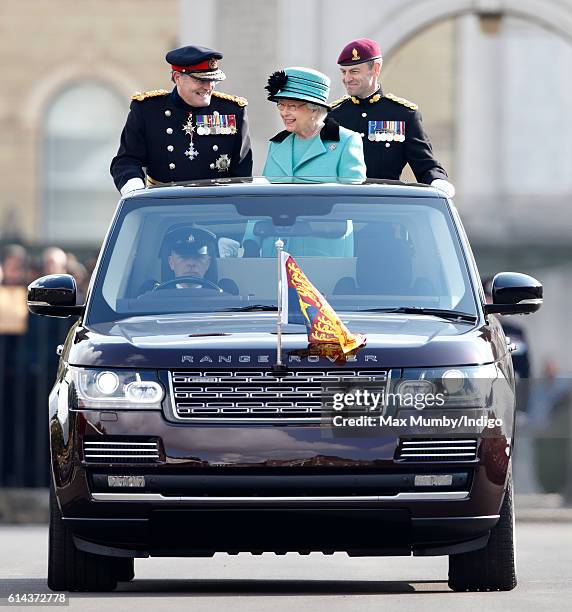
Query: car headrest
x,y
384,260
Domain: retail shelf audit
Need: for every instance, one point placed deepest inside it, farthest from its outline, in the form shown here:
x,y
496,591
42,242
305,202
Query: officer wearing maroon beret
x,y
192,132
390,127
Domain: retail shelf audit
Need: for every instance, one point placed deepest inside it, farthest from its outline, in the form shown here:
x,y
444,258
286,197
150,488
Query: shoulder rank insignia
x,y
338,101
402,101
143,95
237,99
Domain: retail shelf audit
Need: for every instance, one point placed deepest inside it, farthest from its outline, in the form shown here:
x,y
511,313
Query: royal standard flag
x,y
302,302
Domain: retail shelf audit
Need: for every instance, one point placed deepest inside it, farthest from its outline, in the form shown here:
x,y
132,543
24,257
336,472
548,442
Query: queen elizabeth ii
x,y
312,145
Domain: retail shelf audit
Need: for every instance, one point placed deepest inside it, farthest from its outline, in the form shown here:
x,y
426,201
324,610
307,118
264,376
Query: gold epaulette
x,y
403,101
338,101
143,95
240,101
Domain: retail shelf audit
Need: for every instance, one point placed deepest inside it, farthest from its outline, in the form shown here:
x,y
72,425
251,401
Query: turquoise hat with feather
x,y
298,83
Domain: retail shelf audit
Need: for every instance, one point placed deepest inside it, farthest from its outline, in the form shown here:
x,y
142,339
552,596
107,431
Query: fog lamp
x,y
433,480
126,481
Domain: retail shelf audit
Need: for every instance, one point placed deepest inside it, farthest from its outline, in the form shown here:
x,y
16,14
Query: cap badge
x,y
222,164
355,55
213,63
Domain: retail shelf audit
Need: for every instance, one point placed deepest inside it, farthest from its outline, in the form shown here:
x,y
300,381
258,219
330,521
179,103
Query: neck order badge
x,y
302,302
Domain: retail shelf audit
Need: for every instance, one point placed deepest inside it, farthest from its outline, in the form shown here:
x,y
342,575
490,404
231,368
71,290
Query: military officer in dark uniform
x,y
192,132
390,127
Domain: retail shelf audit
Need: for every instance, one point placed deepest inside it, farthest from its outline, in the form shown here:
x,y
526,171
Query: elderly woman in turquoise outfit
x,y
312,144
311,148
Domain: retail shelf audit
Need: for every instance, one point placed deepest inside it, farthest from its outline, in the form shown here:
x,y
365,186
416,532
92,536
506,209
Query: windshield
x,y
216,254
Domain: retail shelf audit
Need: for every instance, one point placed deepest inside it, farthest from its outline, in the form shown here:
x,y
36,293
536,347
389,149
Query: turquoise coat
x,y
337,153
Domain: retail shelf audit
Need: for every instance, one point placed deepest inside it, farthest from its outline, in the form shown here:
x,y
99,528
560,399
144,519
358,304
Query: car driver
x,y
189,257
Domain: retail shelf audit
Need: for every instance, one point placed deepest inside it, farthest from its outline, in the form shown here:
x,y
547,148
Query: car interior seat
x,y
384,263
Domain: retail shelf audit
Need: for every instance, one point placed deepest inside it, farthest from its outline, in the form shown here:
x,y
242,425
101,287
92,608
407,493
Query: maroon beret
x,y
359,51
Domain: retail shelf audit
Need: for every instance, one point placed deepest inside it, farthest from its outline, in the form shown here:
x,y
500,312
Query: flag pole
x,y
279,366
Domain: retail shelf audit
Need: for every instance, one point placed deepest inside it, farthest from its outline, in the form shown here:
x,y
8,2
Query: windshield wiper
x,y
251,308
437,312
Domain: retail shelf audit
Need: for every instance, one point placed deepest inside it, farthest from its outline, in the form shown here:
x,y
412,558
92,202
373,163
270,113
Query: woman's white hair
x,y
322,112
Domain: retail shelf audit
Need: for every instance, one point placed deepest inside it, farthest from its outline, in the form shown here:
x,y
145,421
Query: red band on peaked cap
x,y
359,51
201,66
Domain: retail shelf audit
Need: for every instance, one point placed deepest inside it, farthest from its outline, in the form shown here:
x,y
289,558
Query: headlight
x,y
101,389
453,381
144,392
107,383
467,387
413,387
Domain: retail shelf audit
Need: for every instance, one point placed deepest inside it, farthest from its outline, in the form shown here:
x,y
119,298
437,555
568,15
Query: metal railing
x,y
28,366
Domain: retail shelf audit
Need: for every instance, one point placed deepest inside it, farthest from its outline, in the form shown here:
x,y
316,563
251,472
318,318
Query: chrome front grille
x,y
464,449
107,450
257,395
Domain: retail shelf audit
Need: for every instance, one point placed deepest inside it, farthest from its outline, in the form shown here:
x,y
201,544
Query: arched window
x,y
81,135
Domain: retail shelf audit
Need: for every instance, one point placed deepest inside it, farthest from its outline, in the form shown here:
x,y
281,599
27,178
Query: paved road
x,y
312,583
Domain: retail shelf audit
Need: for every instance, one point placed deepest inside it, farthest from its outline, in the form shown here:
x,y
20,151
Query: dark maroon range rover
x,y
173,433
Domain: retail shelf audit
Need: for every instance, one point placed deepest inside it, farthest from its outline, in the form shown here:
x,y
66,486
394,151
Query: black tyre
x,y
70,569
124,569
492,568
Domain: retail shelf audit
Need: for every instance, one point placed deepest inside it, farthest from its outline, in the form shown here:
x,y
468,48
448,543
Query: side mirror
x,y
514,293
54,296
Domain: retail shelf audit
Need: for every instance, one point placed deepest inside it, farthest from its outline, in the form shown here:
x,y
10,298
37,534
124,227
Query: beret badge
x,y
276,81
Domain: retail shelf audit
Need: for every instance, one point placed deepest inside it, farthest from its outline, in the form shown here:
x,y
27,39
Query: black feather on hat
x,y
276,82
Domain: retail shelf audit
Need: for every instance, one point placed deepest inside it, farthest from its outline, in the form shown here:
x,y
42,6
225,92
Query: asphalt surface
x,y
314,582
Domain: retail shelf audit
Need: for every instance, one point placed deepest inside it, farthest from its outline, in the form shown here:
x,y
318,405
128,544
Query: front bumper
x,y
359,531
275,489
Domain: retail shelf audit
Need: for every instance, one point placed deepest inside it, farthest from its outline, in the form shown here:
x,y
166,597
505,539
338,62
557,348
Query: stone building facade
x,y
492,78
91,52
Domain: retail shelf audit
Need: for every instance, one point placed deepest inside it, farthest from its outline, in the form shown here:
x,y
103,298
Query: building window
x,y
81,135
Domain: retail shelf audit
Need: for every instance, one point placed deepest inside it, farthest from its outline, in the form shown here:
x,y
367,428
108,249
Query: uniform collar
x,y
330,131
180,103
375,97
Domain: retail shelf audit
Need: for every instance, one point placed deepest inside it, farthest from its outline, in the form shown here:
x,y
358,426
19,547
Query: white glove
x,y
227,247
446,188
132,185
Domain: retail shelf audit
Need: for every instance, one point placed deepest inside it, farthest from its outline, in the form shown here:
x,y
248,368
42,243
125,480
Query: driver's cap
x,y
189,243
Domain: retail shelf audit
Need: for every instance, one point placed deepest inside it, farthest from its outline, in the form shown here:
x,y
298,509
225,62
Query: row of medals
x,y
386,137
215,129
223,162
